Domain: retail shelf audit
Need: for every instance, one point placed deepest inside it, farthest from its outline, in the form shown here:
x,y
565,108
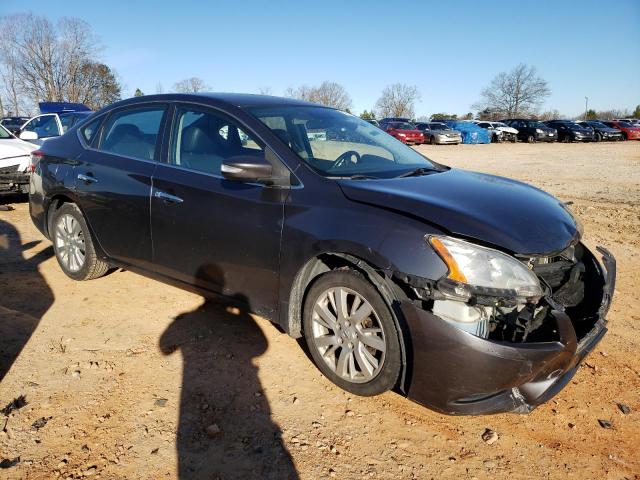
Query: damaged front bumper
x,y
455,372
14,181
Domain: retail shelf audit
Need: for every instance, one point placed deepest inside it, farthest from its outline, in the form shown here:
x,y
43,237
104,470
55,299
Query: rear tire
x,y
432,141
73,244
531,139
598,137
353,342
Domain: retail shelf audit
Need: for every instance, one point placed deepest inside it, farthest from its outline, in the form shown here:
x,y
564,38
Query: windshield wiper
x,y
418,172
363,177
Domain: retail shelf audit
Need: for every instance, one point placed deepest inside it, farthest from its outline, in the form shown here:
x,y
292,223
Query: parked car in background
x,y
374,122
629,131
471,133
532,130
633,121
55,119
15,162
385,121
405,132
13,124
601,131
438,133
500,132
570,131
469,293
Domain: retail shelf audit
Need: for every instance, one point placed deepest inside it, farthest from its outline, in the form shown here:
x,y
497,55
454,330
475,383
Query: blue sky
x,y
449,50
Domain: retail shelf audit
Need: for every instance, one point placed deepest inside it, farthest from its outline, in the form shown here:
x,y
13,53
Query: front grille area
x,y
10,169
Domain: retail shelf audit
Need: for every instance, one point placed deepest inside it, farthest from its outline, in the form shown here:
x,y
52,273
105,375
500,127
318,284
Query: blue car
x,y
471,133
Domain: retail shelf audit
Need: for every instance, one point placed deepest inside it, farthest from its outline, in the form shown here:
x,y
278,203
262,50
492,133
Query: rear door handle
x,y
87,178
167,197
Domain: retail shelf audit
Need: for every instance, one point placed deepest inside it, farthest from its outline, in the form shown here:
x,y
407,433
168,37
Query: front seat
x,y
198,151
127,139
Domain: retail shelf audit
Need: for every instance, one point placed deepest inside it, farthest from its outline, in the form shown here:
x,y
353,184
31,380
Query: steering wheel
x,y
343,158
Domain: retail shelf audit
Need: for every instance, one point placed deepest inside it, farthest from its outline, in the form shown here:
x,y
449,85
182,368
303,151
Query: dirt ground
x,y
123,375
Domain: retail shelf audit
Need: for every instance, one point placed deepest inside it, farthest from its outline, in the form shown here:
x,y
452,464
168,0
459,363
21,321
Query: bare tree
x,y
330,94
397,100
265,91
43,61
303,92
191,85
159,88
549,115
101,86
518,92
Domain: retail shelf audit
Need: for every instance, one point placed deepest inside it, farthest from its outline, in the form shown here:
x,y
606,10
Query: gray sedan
x,y
437,133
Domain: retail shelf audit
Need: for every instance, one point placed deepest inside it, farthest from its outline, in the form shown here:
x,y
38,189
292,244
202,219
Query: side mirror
x,y
245,169
28,135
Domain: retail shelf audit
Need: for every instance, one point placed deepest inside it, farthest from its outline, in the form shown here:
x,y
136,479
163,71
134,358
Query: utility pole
x,y
586,107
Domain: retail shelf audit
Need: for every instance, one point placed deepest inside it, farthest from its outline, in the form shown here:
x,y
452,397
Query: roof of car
x,y
242,100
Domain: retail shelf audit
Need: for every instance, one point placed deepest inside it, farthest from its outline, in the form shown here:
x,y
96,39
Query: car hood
x,y
509,214
507,129
12,147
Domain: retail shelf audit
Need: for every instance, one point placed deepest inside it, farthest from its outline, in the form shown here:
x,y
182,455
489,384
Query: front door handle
x,y
167,197
87,179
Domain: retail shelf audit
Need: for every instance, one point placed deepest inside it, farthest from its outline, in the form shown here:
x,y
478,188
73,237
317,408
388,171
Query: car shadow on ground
x,y
225,428
25,295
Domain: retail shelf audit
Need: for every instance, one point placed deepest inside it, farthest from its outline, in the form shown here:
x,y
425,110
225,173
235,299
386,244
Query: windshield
x,y
500,124
536,124
402,126
337,144
625,125
4,133
439,126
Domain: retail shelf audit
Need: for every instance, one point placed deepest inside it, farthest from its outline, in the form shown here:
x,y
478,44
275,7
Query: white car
x,y
15,162
49,125
500,132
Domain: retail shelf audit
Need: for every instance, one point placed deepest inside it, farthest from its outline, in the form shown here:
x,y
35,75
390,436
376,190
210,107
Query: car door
x,y
208,231
45,126
113,180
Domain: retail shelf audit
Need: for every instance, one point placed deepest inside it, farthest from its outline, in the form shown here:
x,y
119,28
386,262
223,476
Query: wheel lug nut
x,y
347,324
350,345
339,341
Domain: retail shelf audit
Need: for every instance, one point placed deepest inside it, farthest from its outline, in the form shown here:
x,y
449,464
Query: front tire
x,y
73,244
598,137
351,334
531,139
433,140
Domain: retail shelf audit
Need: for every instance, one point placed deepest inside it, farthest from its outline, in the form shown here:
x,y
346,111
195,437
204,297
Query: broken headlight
x,y
482,271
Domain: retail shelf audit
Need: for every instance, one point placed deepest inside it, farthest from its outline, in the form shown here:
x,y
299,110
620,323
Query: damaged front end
x,y
503,338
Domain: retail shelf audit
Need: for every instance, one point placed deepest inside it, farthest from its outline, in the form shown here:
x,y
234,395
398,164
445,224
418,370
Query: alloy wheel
x,y
69,241
348,335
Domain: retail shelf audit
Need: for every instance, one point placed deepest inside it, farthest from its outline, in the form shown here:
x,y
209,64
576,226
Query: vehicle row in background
x,y
55,118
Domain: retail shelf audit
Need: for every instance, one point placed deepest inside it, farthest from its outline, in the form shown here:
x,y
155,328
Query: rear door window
x,y
133,132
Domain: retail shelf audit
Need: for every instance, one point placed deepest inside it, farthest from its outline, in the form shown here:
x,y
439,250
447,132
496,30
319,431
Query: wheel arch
x,y
55,203
390,291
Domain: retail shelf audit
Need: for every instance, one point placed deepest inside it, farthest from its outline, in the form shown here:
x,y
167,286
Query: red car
x,y
405,132
629,131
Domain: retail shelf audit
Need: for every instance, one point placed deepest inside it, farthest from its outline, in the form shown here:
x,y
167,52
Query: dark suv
x,y
469,293
532,130
570,131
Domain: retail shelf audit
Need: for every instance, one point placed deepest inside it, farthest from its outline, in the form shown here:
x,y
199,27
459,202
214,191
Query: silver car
x,y
437,133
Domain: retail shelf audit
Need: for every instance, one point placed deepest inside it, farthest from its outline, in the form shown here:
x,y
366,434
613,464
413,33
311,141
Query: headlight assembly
x,y
473,269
